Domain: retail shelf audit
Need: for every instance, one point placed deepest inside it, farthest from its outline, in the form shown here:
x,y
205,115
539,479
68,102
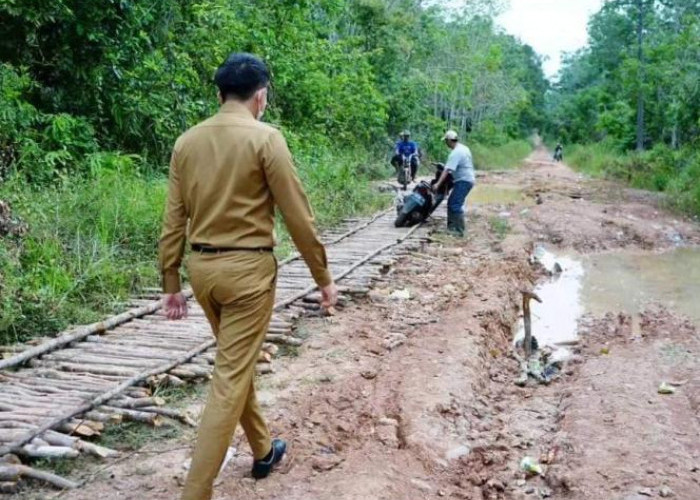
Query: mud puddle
x,y
624,282
628,281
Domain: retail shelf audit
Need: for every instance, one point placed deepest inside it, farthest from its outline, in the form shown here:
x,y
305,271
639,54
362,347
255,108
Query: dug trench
x,y
410,394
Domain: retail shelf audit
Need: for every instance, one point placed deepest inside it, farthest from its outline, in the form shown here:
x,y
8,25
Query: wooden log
x,y
283,339
76,428
273,349
132,342
86,368
42,386
15,425
138,392
165,380
263,368
10,435
136,415
189,370
48,375
13,472
170,413
132,403
8,487
34,451
209,357
134,351
58,439
81,333
98,416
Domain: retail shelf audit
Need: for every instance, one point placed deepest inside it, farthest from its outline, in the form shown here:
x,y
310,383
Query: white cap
x,y
451,135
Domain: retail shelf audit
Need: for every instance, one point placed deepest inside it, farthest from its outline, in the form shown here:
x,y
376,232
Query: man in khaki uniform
x,y
226,176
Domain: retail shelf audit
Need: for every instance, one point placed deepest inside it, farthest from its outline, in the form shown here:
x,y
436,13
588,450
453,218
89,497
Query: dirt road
x,y
404,399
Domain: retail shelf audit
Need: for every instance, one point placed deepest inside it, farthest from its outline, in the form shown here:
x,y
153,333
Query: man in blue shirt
x,y
409,149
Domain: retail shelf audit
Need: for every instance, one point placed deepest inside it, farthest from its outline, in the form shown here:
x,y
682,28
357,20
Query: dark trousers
x,y
455,202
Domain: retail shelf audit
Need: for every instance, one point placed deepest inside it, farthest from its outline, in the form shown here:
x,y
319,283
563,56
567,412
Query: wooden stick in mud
x,y
12,472
527,321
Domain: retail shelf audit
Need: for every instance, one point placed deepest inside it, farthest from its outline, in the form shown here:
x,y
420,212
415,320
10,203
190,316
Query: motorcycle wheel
x,y
401,220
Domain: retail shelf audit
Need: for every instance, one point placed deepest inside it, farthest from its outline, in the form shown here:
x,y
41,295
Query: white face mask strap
x,y
261,97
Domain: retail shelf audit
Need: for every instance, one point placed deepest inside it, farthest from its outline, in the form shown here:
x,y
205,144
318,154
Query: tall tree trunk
x,y
640,76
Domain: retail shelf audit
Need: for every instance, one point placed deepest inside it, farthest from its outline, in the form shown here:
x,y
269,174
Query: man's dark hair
x,y
240,76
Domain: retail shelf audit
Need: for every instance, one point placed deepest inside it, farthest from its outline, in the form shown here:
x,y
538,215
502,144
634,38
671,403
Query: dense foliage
x,y
637,87
93,95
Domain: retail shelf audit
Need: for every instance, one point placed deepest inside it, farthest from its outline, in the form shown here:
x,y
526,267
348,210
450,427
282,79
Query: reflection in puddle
x,y
555,319
629,281
613,282
489,194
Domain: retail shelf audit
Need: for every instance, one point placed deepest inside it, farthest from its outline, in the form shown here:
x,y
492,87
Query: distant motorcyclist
x,y
559,152
406,148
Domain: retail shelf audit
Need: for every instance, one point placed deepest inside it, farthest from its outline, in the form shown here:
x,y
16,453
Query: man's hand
x,y
329,296
175,305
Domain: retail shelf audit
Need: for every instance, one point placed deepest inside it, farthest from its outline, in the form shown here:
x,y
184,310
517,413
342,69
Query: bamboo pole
x,y
80,333
14,472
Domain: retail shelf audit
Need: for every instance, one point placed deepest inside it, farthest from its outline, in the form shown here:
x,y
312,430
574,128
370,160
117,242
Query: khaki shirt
x,y
226,176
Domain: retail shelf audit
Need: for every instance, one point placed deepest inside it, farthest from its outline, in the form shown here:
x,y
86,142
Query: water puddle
x,y
612,282
628,281
494,194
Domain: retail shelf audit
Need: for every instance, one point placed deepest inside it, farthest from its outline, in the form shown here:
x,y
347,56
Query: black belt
x,y
207,249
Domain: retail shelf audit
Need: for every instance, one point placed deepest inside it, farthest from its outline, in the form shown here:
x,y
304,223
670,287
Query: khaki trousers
x,y
237,292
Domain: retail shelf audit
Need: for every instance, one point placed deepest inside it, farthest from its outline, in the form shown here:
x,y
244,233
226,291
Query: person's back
x,y
461,164
226,176
221,164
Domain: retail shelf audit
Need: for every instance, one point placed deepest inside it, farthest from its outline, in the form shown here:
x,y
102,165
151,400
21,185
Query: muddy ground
x,y
412,399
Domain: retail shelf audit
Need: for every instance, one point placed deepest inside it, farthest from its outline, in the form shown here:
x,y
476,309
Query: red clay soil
x,y
408,399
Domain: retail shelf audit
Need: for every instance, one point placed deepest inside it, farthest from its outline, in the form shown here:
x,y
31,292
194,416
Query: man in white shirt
x,y
461,166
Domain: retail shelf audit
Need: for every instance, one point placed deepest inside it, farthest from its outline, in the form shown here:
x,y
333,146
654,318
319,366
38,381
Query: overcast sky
x,y
550,26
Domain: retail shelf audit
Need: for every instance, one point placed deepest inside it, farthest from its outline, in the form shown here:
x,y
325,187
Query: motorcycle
x,y
404,171
417,206
558,155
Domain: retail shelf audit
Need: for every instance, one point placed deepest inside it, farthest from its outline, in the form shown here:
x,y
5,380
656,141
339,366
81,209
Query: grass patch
x,y
129,436
675,172
66,467
92,243
506,156
499,226
176,397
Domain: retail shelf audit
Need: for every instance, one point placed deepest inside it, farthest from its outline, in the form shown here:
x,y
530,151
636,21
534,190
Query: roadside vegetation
x,y
499,157
628,105
92,98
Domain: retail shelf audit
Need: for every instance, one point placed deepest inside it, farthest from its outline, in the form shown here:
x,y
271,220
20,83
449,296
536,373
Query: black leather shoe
x,y
263,467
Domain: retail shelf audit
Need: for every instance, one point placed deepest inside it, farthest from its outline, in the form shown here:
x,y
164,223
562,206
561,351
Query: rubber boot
x,y
459,219
453,226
